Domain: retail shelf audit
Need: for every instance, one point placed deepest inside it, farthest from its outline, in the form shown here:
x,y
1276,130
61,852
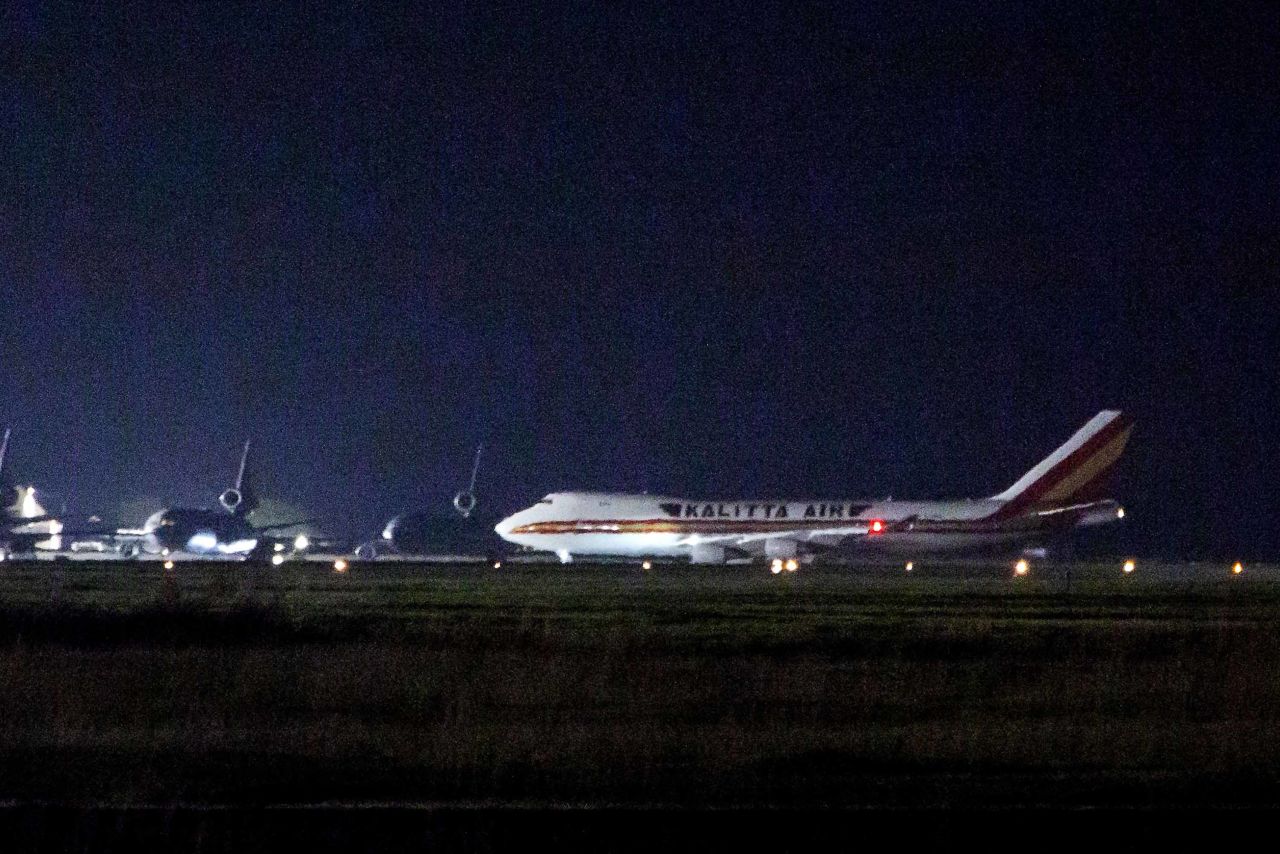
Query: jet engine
x,y
464,502
231,499
706,554
780,548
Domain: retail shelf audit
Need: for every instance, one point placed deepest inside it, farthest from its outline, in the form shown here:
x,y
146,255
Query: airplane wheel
x,y
367,551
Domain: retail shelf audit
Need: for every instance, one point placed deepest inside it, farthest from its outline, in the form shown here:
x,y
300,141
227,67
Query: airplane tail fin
x,y
1080,470
4,449
241,500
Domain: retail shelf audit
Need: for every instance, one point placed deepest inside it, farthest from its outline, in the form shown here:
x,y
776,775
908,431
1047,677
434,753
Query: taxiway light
x,y
164,552
168,564
647,565
339,565
1237,568
1130,565
876,526
277,559
776,566
278,547
300,543
910,565
791,565
1021,567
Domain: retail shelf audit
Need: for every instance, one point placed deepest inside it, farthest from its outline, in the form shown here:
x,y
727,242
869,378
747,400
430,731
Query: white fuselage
x,y
590,523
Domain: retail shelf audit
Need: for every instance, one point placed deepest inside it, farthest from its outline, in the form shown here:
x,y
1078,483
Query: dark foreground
x,y
628,708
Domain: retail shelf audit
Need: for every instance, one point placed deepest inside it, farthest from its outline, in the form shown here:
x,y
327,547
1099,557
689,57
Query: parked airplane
x,y
430,532
24,524
1064,492
204,532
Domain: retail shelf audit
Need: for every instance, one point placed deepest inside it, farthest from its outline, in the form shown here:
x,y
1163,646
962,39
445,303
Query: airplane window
x,y
545,501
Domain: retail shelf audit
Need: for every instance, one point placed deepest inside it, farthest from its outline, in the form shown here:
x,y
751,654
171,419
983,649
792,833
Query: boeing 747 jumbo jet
x,y
1067,490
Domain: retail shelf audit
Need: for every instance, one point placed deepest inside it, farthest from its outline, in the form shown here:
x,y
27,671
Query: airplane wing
x,y
815,538
278,526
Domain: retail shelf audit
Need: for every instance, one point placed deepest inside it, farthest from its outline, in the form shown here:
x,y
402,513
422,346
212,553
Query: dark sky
x,y
759,250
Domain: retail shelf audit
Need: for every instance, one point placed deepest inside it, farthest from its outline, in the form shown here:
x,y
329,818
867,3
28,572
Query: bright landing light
x,y
168,564
791,565
1021,567
1237,568
1130,565
776,566
301,543
339,565
648,564
910,565
277,559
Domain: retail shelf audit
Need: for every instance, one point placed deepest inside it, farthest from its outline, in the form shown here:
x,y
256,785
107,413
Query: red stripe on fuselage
x,y
713,526
672,526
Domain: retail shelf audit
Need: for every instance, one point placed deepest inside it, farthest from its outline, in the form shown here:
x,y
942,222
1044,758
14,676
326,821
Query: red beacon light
x,y
875,526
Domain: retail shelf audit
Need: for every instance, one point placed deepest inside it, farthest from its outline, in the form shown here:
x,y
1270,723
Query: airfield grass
x,y
847,687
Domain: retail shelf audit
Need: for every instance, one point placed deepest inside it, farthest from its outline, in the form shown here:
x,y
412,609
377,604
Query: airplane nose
x,y
505,526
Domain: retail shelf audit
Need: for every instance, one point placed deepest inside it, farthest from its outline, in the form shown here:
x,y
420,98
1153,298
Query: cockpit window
x,y
546,500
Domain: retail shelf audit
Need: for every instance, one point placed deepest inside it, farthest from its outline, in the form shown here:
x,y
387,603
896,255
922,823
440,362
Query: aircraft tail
x,y
241,500
4,449
1080,470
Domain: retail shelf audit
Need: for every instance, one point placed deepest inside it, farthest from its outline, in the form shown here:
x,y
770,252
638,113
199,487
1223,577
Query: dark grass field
x,y
601,689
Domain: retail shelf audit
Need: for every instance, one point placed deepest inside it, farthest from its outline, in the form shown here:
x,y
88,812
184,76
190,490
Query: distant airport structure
x,y
1064,492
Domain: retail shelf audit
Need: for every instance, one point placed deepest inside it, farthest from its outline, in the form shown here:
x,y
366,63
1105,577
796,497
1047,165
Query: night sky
x,y
766,250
